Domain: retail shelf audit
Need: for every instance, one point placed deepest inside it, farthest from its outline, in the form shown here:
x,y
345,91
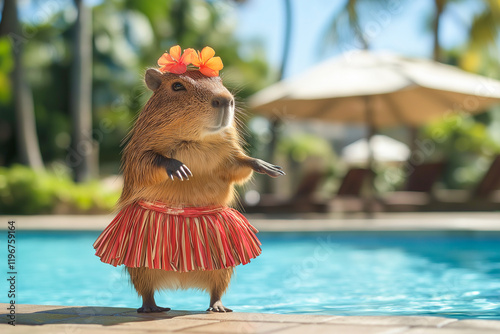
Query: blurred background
x,y
71,84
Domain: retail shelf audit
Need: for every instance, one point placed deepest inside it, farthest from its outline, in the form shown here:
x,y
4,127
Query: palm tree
x,y
345,25
27,139
82,157
482,46
438,14
483,32
288,37
275,123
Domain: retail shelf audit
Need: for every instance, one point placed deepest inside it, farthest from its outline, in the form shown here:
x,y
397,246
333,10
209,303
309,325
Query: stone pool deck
x,y
34,319
435,221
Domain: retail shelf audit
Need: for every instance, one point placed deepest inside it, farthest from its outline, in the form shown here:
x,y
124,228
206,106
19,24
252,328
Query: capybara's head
x,y
188,106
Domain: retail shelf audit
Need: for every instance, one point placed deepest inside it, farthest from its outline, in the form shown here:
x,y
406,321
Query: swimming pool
x,y
344,273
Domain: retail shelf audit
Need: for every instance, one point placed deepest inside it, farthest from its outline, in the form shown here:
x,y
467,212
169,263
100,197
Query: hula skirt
x,y
155,236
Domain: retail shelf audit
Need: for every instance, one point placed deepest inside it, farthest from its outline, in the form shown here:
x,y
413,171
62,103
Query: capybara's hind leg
x,y
144,284
219,282
149,304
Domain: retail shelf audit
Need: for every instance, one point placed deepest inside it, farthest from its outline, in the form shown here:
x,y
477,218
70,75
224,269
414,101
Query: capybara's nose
x,y
222,102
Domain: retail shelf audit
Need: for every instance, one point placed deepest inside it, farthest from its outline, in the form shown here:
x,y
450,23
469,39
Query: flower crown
x,y
177,62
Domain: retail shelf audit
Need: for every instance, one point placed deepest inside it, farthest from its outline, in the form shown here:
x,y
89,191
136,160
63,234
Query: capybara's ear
x,y
153,78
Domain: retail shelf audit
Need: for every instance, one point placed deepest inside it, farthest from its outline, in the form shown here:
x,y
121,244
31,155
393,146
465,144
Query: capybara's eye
x,y
177,86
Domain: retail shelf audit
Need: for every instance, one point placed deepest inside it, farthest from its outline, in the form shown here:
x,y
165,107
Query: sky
x,y
401,28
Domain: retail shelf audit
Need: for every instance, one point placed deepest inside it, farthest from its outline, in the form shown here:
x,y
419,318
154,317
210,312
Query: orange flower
x,y
208,64
175,62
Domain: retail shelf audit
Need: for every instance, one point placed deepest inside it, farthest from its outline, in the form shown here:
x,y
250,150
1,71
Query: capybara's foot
x,y
152,309
218,307
263,167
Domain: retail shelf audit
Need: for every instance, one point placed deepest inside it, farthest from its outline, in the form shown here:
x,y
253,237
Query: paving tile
x,y
391,320
166,325
263,317
478,324
102,330
74,310
41,318
27,308
106,320
18,329
162,315
70,328
247,327
422,330
347,329
90,310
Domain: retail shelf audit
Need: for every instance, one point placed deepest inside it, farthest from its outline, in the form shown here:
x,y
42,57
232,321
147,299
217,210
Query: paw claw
x,y
184,173
218,307
264,167
188,170
176,169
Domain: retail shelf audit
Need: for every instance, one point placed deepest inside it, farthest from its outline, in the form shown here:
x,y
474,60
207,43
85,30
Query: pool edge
x,y
466,222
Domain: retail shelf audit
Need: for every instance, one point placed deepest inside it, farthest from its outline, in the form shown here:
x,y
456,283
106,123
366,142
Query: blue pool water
x,y
454,275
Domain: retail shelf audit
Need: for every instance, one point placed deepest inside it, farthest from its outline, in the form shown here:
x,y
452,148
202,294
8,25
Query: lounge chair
x,y
485,196
349,197
490,181
301,201
417,192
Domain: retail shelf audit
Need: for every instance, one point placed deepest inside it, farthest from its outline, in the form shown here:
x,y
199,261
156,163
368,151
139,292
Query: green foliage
x,y
6,66
306,152
301,146
128,37
25,191
467,145
388,177
462,134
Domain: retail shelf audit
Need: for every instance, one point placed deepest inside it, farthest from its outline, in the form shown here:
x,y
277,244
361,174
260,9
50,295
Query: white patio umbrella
x,y
384,149
379,90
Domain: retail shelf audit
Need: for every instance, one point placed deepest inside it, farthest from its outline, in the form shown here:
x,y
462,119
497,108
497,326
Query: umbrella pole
x,y
268,187
371,130
413,134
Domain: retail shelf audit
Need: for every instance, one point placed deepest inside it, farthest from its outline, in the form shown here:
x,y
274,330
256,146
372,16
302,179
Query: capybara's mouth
x,y
223,119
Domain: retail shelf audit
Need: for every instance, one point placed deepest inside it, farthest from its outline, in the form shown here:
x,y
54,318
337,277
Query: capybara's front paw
x,y
263,167
177,169
152,309
218,307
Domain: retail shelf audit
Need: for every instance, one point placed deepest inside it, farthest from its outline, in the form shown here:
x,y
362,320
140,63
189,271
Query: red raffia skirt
x,y
155,236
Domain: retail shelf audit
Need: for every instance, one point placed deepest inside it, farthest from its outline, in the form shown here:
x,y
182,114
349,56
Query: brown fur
x,y
217,160
178,125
